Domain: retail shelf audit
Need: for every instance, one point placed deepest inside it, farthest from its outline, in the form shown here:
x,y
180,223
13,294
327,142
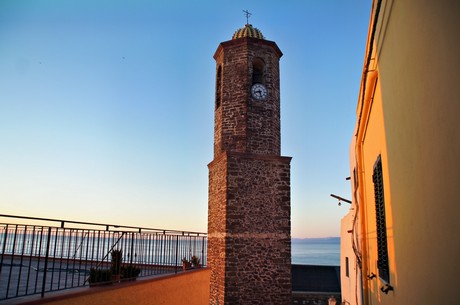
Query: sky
x,y
107,106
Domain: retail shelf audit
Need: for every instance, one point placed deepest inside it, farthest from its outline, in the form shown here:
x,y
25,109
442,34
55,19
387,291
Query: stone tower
x,y
249,226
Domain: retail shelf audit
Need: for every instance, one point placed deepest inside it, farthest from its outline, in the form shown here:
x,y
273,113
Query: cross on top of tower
x,y
248,30
248,14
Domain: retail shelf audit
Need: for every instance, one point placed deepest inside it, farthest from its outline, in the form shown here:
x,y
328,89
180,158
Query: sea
x,y
316,251
304,251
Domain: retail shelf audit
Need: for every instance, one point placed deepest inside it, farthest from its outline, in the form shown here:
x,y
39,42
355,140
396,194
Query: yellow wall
x,y
414,123
349,283
374,145
191,288
420,73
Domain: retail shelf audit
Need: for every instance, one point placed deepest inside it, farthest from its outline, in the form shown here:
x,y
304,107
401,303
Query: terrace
x,y
40,257
56,261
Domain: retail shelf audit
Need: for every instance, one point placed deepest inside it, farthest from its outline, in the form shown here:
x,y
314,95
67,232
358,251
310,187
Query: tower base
x,y
249,229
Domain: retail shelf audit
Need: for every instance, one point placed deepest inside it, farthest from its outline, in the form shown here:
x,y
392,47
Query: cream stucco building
x,y
400,240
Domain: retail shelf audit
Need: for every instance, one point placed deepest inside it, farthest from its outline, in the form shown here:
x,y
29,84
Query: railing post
x,y
4,246
132,248
12,259
177,251
204,263
46,261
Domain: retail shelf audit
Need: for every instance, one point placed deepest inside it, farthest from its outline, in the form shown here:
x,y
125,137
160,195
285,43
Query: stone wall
x,y
217,227
249,217
249,228
242,123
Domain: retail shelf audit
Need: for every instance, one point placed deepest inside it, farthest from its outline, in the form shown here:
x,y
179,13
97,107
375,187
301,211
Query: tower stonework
x,y
249,226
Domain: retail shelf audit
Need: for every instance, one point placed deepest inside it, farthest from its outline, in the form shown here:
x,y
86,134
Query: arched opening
x,y
258,71
218,86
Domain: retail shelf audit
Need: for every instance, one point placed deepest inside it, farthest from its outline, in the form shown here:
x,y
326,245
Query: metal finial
x,y
248,14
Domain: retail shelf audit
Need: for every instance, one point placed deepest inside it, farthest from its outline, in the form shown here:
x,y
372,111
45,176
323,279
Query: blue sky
x,y
106,107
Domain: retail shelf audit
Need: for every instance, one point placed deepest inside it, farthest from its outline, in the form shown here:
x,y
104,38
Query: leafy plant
x,y
195,261
117,256
186,264
130,271
100,276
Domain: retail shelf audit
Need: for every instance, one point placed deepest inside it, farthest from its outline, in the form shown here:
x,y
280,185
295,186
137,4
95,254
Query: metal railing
x,y
39,255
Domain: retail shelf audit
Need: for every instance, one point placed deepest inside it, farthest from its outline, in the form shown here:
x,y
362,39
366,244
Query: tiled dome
x,y
248,31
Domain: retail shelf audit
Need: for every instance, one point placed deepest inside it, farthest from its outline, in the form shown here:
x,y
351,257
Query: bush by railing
x,y
40,255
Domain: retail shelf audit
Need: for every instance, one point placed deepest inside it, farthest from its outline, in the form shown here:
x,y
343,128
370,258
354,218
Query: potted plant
x,y
195,261
186,264
117,256
100,277
130,272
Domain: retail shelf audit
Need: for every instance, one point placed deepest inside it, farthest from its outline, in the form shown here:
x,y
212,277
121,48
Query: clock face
x,y
259,92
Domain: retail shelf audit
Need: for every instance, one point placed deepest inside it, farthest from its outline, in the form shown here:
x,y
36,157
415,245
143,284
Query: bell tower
x,y
249,226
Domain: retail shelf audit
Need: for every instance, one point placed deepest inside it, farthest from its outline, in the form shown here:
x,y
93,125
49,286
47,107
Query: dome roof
x,y
248,31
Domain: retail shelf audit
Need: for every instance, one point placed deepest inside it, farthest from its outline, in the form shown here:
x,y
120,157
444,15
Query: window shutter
x,y
382,248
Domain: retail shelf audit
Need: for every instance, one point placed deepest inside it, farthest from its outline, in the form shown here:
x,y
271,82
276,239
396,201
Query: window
x,y
218,86
257,71
382,248
347,268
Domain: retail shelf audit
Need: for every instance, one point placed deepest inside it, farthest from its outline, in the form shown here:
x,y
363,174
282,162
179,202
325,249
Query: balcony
x,y
39,256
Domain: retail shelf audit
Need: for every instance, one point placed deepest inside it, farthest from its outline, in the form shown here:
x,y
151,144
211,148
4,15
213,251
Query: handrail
x,y
104,225
43,257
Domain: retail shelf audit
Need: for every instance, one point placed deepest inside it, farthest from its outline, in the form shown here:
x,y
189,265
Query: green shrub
x,y
100,276
130,271
117,256
195,261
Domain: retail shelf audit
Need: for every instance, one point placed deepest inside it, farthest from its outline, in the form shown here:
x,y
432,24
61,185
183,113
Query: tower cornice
x,y
246,41
243,155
